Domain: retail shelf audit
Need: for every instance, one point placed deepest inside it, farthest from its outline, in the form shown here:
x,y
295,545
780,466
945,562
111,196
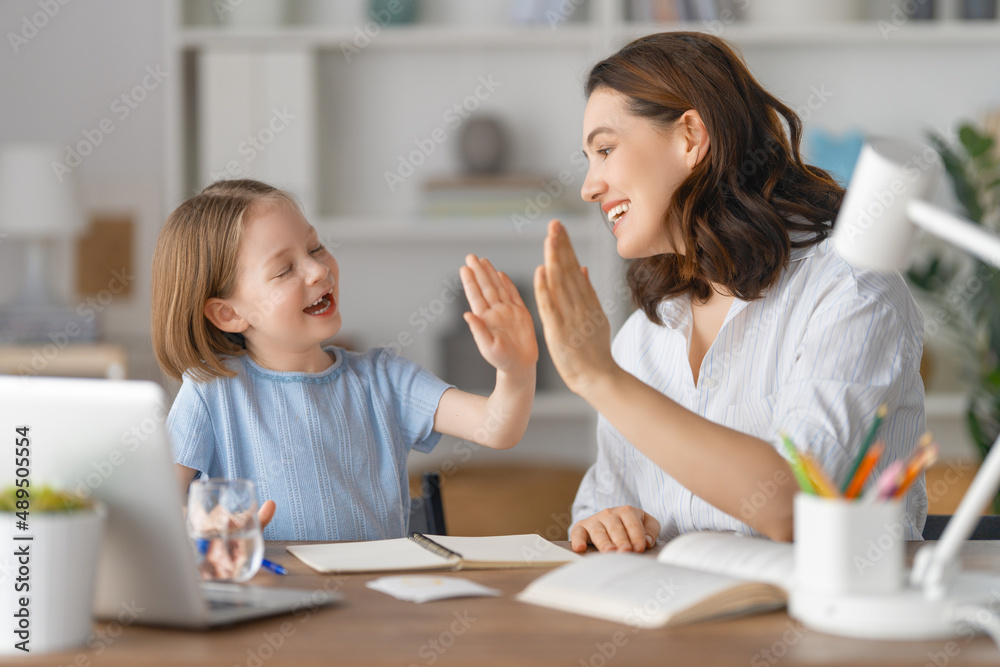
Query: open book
x,y
437,552
696,576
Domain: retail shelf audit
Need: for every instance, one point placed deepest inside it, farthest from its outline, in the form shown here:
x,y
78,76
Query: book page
x,y
639,591
526,549
750,558
378,555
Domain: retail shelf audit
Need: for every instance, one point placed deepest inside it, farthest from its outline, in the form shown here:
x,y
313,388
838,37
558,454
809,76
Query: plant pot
x,y
47,594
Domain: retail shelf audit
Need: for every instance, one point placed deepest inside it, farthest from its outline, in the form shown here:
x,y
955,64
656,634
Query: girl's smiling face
x,y
286,298
635,167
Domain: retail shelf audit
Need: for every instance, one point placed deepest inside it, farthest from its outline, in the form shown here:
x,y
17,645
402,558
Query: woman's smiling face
x,y
635,167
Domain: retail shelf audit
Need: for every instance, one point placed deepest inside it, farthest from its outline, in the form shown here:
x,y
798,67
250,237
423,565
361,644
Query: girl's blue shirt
x,y
329,448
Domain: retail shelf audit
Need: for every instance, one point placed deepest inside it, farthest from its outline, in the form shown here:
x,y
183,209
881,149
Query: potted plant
x,y
50,541
965,291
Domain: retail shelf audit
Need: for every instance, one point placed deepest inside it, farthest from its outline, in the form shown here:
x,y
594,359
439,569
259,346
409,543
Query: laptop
x,y
106,439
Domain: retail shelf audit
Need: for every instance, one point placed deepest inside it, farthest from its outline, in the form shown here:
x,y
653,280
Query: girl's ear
x,y
221,314
695,136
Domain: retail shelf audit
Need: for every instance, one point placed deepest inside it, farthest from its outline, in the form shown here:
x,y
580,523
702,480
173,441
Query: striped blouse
x,y
814,357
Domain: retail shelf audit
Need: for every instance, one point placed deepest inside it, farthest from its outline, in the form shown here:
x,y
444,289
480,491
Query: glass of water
x,y
224,529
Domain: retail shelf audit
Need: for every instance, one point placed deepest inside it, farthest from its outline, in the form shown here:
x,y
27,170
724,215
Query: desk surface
x,y
371,628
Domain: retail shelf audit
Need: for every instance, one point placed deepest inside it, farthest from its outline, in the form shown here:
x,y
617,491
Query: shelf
x,y
873,33
429,37
415,231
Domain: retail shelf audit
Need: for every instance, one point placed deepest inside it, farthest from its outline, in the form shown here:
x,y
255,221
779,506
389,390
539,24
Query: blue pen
x,y
202,545
273,567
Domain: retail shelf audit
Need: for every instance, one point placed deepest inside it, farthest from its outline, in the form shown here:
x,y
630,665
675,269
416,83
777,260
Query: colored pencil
x,y
880,414
923,459
821,482
857,482
795,461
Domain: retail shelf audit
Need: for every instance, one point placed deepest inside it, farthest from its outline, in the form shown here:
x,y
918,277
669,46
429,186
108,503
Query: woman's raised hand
x,y
500,322
576,329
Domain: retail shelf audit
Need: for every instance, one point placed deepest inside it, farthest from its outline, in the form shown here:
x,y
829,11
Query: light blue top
x,y
329,448
815,356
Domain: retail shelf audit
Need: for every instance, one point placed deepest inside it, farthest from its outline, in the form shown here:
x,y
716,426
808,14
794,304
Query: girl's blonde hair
x,y
196,259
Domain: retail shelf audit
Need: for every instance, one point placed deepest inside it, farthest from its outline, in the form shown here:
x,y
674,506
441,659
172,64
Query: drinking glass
x,y
224,529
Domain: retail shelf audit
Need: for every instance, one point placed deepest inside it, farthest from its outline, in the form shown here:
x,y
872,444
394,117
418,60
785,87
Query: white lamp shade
x,y
874,229
35,203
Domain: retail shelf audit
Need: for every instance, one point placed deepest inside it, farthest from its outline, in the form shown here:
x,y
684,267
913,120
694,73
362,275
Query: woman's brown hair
x,y
734,212
196,258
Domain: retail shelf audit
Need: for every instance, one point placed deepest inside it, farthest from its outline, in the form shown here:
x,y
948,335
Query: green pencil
x,y
880,414
796,462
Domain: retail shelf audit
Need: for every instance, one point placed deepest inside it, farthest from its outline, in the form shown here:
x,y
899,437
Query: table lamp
x,y
884,206
38,208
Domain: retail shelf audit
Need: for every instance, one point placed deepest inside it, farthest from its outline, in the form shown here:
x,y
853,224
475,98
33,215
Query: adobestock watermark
x,y
453,118
87,310
551,190
422,318
31,24
556,16
254,145
884,199
364,34
637,618
887,542
902,11
432,650
727,17
766,490
130,440
779,648
121,108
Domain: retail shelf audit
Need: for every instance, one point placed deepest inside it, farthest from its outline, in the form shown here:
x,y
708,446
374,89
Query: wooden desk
x,y
371,628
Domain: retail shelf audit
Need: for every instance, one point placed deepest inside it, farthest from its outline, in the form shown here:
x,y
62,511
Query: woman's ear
x,y
221,314
695,136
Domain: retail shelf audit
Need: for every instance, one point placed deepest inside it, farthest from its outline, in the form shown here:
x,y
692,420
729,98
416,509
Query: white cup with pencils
x,y
850,536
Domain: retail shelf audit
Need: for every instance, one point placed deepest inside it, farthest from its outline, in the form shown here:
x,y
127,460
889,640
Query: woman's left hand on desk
x,y
576,329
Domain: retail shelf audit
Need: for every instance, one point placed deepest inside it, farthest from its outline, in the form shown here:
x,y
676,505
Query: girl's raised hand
x,y
576,328
500,322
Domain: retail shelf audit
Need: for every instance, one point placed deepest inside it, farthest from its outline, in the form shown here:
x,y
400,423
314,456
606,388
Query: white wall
x,y
62,83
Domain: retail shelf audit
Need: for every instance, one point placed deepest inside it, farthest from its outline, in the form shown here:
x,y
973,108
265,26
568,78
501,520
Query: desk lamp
x,y
37,207
875,228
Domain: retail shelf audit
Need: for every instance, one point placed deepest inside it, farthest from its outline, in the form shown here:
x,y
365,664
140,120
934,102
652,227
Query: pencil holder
x,y
848,547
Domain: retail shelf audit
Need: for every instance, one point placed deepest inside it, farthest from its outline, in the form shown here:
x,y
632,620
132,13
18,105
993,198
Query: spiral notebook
x,y
437,552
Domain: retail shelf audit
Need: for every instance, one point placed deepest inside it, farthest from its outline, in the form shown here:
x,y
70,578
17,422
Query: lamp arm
x,y
958,231
934,565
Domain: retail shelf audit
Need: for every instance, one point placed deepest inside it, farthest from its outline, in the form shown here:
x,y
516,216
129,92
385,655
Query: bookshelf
x,y
369,103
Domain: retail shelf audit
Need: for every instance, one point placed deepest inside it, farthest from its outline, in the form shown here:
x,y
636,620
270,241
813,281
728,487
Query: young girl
x,y
244,294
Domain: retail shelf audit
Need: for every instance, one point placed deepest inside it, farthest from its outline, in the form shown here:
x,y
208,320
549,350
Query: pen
x,y
857,482
273,567
202,545
796,463
880,414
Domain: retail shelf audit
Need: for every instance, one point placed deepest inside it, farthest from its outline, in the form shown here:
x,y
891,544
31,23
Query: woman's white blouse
x,y
814,358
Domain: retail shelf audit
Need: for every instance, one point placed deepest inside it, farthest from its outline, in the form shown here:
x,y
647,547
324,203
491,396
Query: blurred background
x,y
417,131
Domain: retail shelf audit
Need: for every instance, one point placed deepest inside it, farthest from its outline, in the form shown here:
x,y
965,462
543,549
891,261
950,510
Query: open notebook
x,y
695,577
437,552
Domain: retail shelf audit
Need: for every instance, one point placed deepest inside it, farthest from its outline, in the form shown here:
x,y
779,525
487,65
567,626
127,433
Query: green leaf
x,y
955,166
975,143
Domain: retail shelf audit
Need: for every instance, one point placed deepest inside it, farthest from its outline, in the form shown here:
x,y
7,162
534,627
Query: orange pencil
x,y
824,486
924,458
864,469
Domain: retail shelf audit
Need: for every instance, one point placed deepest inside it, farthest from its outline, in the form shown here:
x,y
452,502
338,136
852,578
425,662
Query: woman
x,y
749,323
